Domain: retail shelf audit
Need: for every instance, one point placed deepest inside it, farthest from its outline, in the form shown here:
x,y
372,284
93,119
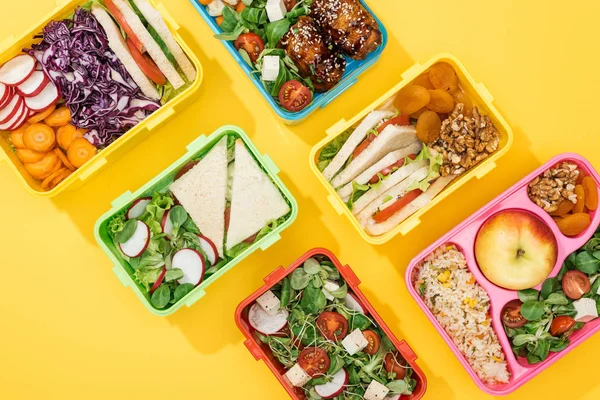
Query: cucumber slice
x,y
163,46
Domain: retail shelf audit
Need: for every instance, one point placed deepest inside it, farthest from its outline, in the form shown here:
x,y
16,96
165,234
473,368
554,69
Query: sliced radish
x,y
17,70
138,207
334,388
5,93
23,116
191,263
11,109
137,243
352,303
158,280
47,97
166,223
209,249
34,84
265,323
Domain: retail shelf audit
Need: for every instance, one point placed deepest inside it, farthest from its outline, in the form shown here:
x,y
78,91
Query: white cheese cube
x,y
376,391
270,68
215,8
586,310
269,302
297,376
355,342
276,10
328,287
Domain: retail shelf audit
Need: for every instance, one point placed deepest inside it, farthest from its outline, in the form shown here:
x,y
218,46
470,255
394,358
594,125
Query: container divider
x,y
407,352
409,225
484,169
484,92
335,128
122,275
158,119
92,167
274,276
412,72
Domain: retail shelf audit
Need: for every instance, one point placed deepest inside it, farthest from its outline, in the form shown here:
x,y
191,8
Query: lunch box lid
x,y
354,69
122,269
12,46
483,99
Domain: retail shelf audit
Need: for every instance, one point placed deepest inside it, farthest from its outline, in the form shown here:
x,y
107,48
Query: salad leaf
x,y
528,295
276,30
268,228
435,162
155,210
558,299
300,279
587,263
287,293
549,286
127,232
173,275
161,296
331,149
116,224
532,310
313,300
181,291
146,277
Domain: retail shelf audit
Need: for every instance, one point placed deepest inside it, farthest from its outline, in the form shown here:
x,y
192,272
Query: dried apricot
x,y
428,127
441,101
574,224
423,80
442,76
591,192
580,205
462,97
417,114
411,99
565,207
580,177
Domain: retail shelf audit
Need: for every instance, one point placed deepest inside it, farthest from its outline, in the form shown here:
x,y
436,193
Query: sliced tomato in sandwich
x,y
146,64
398,205
400,120
114,10
388,170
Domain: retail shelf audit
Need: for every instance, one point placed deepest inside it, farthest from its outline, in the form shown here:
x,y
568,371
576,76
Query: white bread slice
x,y
353,141
394,179
201,191
158,23
255,200
389,159
150,44
119,47
393,137
377,229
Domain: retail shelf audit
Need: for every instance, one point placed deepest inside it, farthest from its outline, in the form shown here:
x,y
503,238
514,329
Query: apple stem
x,y
520,253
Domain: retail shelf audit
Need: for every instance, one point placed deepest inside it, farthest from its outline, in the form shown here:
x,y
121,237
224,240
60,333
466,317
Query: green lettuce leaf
x,y
147,276
435,162
331,149
268,228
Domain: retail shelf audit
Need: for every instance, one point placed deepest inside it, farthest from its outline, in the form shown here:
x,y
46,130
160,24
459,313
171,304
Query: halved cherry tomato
x,y
252,43
294,96
395,363
365,143
400,120
185,169
374,342
575,284
387,170
332,325
289,4
511,314
146,64
386,213
114,10
561,324
314,361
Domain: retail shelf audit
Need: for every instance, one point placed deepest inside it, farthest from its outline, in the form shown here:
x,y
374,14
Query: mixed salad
x,y
541,322
322,335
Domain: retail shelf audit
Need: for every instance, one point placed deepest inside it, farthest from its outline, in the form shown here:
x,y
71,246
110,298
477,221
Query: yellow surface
x,y
70,330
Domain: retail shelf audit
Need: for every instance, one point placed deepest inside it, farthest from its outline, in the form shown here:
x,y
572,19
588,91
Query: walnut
x,y
554,186
465,140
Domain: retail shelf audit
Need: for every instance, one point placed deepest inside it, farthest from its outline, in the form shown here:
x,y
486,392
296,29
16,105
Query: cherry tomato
x,y
386,213
289,4
252,43
575,284
400,120
294,96
365,143
146,64
395,363
561,324
185,169
314,361
123,23
374,342
332,325
511,314
388,170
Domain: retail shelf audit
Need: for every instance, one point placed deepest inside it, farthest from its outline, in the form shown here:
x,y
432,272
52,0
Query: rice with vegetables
x,y
462,307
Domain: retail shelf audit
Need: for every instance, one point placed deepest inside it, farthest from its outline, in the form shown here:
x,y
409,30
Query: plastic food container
x,y
12,46
354,69
463,236
198,147
481,98
262,351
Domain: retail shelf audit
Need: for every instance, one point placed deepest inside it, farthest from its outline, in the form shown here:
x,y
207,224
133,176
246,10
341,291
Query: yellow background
x,y
68,329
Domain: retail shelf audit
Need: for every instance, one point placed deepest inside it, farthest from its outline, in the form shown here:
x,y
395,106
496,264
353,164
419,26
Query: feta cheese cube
x,y
586,310
215,8
376,391
328,287
297,376
269,302
270,68
355,342
276,10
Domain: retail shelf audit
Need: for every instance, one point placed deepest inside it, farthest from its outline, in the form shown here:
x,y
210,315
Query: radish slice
x,y
17,70
22,114
166,223
352,303
138,207
47,97
158,282
5,93
138,242
191,263
209,249
334,388
33,85
11,109
265,323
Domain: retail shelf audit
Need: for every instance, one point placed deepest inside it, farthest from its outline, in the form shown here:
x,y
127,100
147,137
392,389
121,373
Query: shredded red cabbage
x,y
102,96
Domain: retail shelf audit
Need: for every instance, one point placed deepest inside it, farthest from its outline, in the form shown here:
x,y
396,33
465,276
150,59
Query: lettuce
x,y
331,149
268,228
147,276
160,203
357,191
435,162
